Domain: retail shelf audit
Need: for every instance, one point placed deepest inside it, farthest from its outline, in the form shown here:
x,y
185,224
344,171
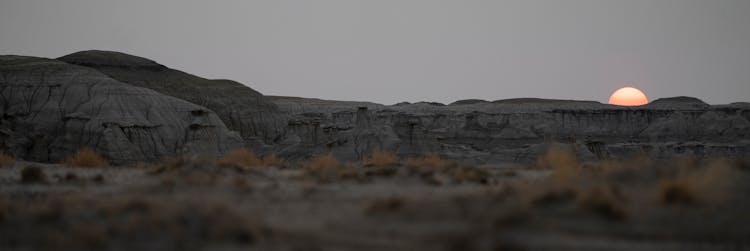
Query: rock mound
x,y
678,103
51,108
241,108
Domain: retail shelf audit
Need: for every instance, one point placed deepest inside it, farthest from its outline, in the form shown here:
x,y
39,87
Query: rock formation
x,y
242,109
132,108
518,130
51,108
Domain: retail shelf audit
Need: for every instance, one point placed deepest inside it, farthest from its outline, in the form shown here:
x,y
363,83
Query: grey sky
x,y
411,50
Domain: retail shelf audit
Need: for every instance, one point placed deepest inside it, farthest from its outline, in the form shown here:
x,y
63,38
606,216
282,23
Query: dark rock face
x,y
517,131
51,108
242,109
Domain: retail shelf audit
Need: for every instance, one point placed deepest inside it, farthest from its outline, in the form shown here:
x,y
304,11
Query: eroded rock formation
x,y
242,109
51,108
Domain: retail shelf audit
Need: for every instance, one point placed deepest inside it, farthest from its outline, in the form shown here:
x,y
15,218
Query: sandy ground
x,y
198,206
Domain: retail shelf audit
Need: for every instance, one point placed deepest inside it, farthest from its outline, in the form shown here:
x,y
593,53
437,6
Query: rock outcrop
x,y
518,130
242,109
51,108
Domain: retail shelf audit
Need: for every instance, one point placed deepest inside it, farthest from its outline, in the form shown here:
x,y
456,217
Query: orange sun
x,y
628,96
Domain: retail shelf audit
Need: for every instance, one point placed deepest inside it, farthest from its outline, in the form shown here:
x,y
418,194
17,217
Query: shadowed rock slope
x,y
242,109
51,108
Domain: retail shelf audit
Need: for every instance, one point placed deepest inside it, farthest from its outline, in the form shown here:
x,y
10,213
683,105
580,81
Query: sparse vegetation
x,y
86,157
6,160
381,157
241,158
245,159
321,162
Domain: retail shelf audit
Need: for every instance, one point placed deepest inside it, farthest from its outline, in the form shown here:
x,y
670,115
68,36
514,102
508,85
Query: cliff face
x,y
241,108
51,108
513,132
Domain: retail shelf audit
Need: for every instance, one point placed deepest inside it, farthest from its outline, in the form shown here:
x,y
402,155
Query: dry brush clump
x,y
698,183
85,157
6,160
244,159
381,157
432,167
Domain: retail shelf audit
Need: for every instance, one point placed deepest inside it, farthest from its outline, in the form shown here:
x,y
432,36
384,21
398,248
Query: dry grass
x,y
86,157
273,160
698,183
322,162
380,157
245,159
241,158
563,163
428,163
6,160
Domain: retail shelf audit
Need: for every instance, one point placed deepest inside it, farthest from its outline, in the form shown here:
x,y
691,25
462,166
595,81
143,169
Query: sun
x,y
628,96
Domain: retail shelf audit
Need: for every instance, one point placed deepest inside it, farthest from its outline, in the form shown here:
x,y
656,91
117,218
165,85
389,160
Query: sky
x,y
388,51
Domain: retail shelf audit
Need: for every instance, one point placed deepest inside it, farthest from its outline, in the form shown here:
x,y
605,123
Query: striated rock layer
x,y
242,109
517,131
51,108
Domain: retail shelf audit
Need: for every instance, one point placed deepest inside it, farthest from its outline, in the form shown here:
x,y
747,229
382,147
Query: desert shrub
x,y
321,162
273,160
380,157
6,160
701,183
429,163
563,163
240,158
85,157
33,174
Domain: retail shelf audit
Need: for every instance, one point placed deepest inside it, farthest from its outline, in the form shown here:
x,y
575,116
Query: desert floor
x,y
556,204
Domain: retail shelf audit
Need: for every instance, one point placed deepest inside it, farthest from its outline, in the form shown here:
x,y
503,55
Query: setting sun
x,y
628,96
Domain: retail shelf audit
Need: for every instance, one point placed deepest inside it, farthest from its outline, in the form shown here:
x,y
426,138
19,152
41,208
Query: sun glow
x,y
628,96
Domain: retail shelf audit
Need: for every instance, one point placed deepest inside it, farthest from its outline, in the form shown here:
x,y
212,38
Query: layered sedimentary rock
x,y
51,108
517,131
241,108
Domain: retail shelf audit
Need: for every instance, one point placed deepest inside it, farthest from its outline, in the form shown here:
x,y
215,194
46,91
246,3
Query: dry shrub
x,y
6,160
322,162
380,157
607,201
710,183
86,157
33,174
273,160
432,166
430,161
563,163
240,158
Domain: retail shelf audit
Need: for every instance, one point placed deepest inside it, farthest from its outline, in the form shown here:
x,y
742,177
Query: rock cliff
x,y
518,130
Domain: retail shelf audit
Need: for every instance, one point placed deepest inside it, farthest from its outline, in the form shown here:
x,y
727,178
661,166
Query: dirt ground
x,y
195,204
